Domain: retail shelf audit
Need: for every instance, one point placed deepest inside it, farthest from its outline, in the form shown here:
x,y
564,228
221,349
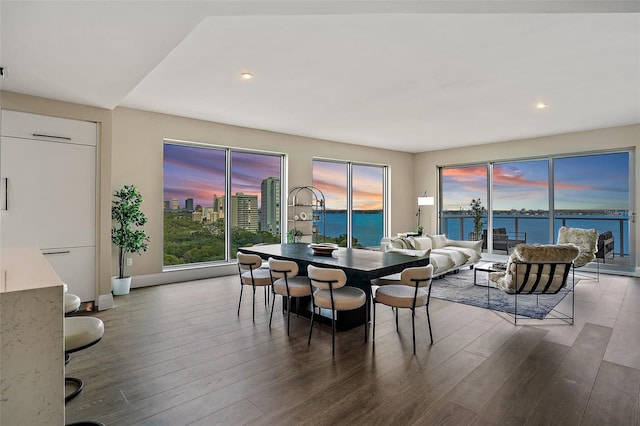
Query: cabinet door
x,y
50,197
76,267
54,129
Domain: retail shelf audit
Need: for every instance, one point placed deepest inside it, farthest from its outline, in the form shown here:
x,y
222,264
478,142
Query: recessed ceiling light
x,y
246,75
541,105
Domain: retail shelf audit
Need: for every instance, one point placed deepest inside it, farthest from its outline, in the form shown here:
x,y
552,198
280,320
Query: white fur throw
x,y
545,253
585,239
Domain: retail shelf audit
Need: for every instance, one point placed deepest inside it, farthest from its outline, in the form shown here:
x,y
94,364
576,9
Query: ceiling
x,y
411,76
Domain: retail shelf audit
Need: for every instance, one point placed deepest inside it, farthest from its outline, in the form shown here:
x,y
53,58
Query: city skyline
x,y
199,173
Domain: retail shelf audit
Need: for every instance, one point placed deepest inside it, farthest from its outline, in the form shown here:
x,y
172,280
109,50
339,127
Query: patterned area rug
x,y
460,288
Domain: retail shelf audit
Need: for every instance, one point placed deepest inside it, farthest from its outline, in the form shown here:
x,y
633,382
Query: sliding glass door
x,y
529,200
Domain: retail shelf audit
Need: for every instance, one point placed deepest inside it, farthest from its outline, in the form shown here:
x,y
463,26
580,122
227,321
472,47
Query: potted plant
x,y
477,211
294,235
126,214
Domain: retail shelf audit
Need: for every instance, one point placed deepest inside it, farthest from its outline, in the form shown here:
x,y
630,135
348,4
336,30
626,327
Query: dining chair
x,y
408,294
251,273
287,283
331,292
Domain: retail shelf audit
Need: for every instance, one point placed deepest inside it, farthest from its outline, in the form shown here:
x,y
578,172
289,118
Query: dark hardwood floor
x,y
179,355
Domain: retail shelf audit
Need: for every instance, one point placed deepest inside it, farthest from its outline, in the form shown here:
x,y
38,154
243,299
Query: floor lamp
x,y
423,201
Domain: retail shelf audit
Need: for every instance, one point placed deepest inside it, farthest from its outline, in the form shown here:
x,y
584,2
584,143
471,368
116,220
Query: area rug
x,y
460,288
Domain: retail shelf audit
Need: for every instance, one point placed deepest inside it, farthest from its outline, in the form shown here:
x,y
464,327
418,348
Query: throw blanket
x,y
402,242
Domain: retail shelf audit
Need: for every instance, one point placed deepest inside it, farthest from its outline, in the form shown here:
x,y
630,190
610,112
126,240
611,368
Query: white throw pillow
x,y
438,241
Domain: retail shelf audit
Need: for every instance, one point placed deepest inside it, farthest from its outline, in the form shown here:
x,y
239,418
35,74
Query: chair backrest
x,y
538,268
281,267
420,276
539,278
248,261
323,278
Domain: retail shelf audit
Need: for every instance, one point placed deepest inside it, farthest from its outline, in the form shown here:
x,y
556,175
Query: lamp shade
x,y
425,201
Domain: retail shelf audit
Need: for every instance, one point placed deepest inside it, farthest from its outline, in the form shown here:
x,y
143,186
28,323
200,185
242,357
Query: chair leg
x,y
273,302
333,332
366,321
313,311
240,301
429,322
253,305
373,338
288,314
413,329
397,329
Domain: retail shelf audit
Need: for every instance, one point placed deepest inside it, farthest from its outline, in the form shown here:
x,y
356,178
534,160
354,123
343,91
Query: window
x,y
198,218
354,200
522,198
461,185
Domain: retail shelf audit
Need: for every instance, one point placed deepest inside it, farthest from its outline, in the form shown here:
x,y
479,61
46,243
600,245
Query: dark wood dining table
x,y
360,265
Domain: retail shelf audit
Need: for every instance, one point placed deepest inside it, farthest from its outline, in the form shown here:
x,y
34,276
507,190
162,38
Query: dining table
x,y
360,266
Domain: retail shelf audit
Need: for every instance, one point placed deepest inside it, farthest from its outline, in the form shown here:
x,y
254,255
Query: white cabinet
x,y
48,167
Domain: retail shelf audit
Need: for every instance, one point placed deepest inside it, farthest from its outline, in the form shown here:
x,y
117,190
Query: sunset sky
x,y
198,173
596,182
331,179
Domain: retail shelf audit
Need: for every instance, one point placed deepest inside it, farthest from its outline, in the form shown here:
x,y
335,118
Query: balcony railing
x,y
537,227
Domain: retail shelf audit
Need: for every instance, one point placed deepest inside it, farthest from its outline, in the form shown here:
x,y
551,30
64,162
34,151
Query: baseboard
x,y
183,274
105,301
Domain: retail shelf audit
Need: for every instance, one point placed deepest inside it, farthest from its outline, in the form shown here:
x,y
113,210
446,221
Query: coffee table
x,y
487,267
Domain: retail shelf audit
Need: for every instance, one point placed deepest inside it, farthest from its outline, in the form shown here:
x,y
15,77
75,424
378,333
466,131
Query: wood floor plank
x,y
566,395
516,399
614,399
179,354
478,387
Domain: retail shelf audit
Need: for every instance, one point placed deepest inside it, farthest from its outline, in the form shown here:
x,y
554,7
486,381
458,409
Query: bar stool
x,y
71,301
80,333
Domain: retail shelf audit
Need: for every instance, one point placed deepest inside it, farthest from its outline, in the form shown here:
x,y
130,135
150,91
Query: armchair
x,y
503,240
535,269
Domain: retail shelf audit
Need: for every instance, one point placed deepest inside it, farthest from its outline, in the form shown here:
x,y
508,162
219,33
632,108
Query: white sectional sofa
x,y
444,254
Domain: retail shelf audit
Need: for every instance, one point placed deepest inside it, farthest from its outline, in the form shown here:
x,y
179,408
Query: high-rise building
x,y
174,204
244,210
270,205
167,205
188,204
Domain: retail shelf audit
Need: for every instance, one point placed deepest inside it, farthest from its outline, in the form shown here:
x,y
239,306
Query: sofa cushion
x,y
438,241
422,243
403,243
459,258
472,255
441,262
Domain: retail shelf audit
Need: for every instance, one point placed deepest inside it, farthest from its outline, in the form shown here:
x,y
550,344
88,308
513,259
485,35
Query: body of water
x,y
368,228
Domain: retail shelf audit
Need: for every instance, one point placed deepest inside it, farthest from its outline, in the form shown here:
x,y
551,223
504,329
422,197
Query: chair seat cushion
x,y
400,296
261,277
345,298
71,303
298,287
80,332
